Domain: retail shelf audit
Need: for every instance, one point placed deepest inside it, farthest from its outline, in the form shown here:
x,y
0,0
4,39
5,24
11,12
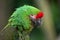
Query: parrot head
x,y
36,19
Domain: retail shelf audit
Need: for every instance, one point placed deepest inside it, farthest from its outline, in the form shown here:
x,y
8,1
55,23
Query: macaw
x,y
24,19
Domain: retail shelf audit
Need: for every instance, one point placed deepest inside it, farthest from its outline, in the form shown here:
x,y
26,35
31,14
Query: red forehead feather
x,y
39,15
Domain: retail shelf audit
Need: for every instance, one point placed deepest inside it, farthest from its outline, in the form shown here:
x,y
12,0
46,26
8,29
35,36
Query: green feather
x,y
21,16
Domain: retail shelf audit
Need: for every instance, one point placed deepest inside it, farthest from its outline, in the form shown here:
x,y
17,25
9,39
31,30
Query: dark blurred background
x,y
7,7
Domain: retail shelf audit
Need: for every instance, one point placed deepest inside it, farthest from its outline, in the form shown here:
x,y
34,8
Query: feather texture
x,y
21,16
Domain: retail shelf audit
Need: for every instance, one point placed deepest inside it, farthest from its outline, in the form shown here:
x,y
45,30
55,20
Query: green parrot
x,y
23,20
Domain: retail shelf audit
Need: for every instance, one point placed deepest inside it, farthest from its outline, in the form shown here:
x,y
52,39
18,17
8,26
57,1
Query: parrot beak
x,y
36,22
36,19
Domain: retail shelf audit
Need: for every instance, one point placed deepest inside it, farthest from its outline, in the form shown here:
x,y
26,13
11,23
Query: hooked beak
x,y
36,22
